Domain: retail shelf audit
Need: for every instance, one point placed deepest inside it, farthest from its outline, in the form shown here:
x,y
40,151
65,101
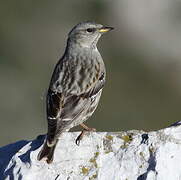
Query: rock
x,y
131,155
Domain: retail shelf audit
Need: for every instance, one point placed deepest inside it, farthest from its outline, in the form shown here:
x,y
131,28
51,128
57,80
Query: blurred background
x,y
142,57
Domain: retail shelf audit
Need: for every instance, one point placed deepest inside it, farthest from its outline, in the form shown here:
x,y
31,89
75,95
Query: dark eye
x,y
90,30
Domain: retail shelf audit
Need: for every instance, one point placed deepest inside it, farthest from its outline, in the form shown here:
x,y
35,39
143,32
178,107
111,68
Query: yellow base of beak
x,y
105,29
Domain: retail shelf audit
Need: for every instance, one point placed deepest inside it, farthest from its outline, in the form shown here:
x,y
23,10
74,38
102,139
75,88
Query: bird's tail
x,y
47,152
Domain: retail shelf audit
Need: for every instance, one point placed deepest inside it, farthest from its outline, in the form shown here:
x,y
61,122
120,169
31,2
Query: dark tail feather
x,y
47,152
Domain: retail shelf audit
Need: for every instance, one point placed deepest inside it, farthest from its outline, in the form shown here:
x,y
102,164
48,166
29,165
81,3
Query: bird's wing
x,y
68,106
75,104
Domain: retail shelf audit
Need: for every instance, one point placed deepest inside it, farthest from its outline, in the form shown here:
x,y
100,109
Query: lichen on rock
x,y
131,155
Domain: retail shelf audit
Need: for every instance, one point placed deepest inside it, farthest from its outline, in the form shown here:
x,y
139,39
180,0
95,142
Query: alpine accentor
x,y
76,84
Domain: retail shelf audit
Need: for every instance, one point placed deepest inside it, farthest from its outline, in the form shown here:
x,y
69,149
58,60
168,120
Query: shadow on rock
x,y
18,149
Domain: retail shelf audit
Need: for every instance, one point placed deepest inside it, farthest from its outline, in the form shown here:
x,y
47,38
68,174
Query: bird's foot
x,y
84,131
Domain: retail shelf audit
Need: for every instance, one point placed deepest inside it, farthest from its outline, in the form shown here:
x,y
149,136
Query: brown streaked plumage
x,y
76,85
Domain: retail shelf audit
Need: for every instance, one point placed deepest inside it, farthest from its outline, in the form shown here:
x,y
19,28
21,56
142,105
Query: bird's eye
x,y
90,30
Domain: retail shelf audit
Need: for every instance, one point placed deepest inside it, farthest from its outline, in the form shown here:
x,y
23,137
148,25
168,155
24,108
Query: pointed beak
x,y
105,29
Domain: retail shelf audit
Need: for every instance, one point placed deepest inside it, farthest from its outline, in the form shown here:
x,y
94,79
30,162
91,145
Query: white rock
x,y
132,155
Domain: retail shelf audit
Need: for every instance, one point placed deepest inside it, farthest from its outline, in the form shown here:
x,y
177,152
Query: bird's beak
x,y
105,29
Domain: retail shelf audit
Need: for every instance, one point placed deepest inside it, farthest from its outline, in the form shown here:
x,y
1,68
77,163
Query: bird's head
x,y
87,34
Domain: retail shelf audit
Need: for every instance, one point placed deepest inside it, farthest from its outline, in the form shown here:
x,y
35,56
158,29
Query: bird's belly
x,y
94,100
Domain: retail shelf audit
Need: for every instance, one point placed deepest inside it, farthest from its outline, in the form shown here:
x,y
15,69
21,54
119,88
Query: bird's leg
x,y
86,129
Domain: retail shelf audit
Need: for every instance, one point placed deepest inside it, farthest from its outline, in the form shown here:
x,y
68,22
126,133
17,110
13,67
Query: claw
x,y
84,131
79,138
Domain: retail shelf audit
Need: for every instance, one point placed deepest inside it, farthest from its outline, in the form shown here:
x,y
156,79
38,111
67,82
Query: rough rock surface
x,y
131,155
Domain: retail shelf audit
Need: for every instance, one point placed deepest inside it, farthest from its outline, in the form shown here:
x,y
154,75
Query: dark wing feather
x,y
54,104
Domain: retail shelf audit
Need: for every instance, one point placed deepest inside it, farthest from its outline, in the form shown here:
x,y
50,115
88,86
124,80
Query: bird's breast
x,y
80,72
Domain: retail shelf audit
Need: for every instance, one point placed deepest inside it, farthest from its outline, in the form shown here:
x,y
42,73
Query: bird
x,y
75,86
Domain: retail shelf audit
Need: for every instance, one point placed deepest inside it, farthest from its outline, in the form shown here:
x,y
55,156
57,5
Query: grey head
x,y
87,34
